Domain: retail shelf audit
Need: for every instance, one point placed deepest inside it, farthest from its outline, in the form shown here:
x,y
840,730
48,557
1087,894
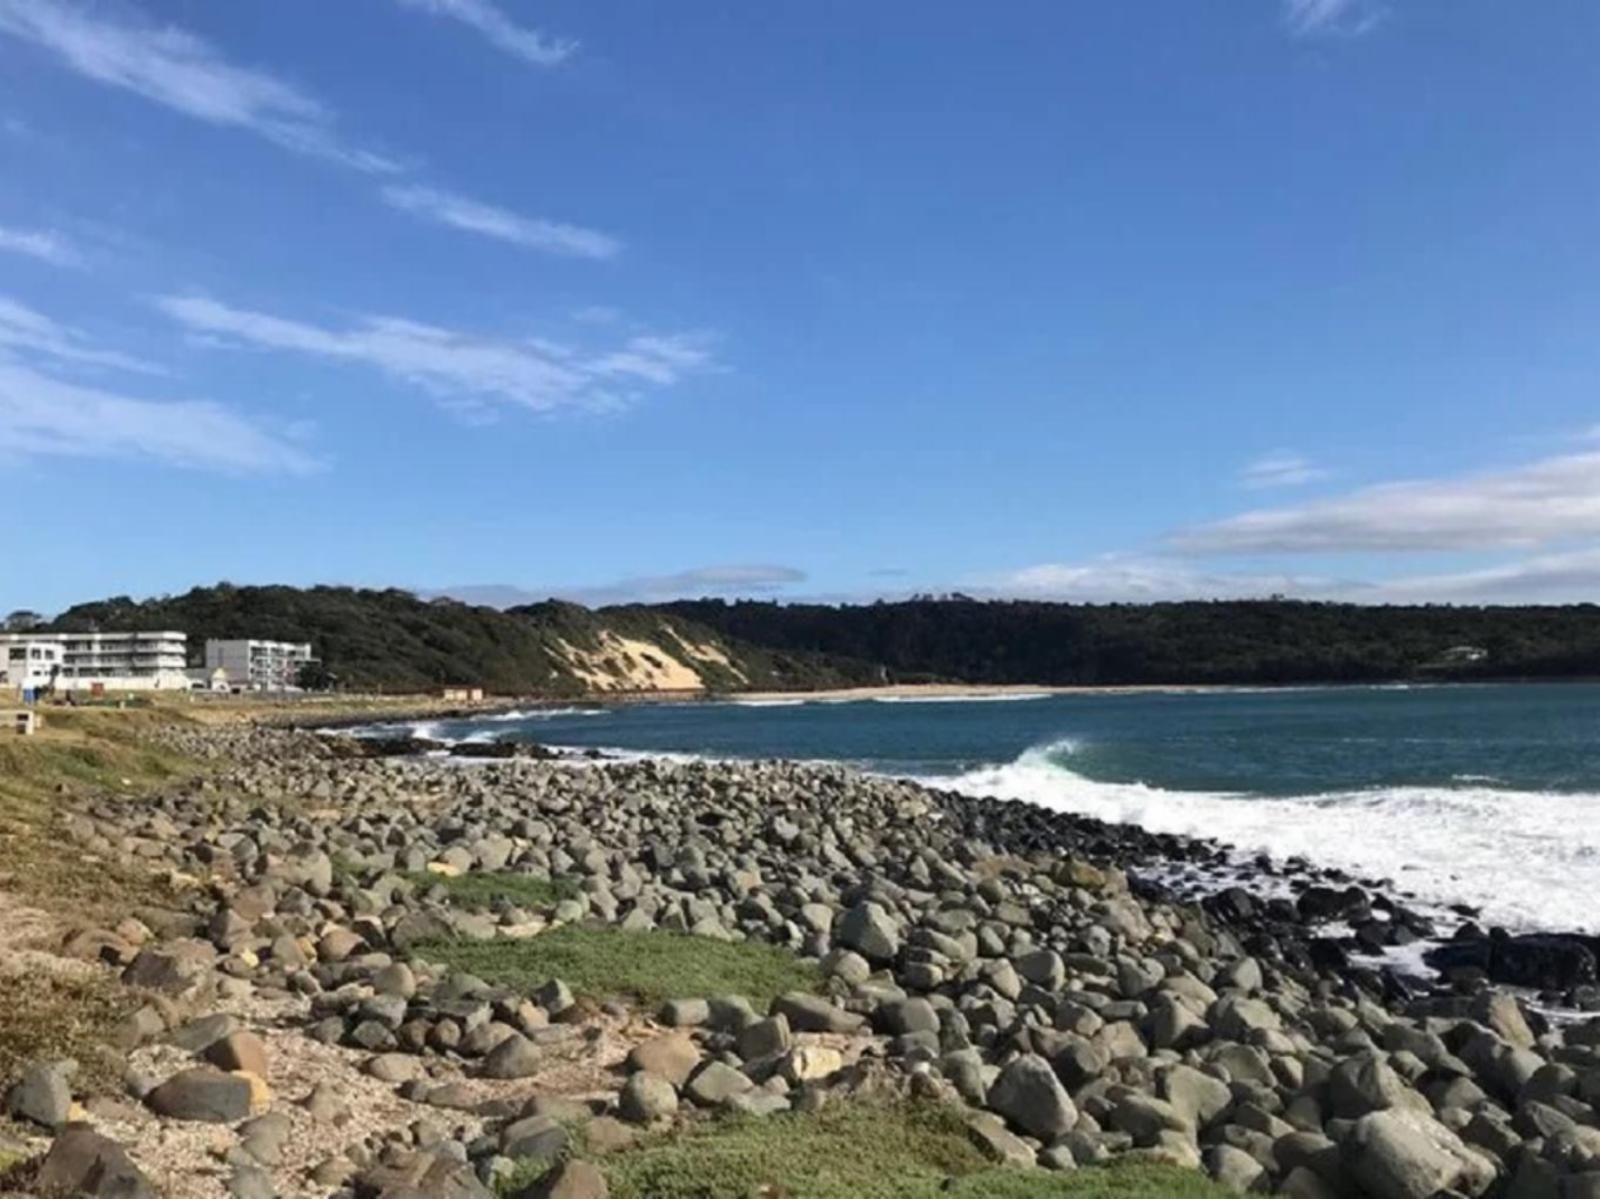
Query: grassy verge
x,y
85,751
82,752
51,1016
606,963
491,889
863,1151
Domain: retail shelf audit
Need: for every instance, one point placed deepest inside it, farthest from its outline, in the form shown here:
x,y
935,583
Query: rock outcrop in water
x,y
1083,992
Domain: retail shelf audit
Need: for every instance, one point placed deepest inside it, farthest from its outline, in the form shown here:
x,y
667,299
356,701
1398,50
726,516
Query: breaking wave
x,y
1529,859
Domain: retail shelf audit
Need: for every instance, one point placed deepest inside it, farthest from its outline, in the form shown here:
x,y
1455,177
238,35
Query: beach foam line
x,y
1529,859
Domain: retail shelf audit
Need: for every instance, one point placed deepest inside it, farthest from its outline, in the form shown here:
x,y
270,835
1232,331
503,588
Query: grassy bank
x,y
649,967
78,752
863,1150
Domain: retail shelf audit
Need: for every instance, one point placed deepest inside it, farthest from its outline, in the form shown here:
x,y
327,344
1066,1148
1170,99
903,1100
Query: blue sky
x,y
1088,301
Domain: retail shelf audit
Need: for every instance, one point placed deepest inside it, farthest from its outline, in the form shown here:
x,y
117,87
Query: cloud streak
x,y
24,330
1331,18
171,67
45,245
467,371
43,415
1532,505
1281,468
727,580
530,45
1117,578
530,233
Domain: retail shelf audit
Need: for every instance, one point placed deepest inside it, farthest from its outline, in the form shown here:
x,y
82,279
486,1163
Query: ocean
x,y
1486,795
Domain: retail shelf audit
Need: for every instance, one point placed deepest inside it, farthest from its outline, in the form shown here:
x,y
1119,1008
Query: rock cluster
x,y
1013,961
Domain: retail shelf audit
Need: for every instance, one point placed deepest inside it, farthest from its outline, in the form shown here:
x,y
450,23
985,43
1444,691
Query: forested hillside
x,y
391,640
1268,641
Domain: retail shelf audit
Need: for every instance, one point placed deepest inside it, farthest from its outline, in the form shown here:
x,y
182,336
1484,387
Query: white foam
x,y
539,714
1004,697
1529,859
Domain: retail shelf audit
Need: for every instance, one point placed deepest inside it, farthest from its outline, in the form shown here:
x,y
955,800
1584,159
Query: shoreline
x,y
643,946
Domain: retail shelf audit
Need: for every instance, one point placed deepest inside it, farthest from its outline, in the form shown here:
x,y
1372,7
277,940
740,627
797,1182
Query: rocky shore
x,y
1076,993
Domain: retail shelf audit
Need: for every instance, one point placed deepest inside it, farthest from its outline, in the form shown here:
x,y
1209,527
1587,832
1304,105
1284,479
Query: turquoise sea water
x,y
1485,794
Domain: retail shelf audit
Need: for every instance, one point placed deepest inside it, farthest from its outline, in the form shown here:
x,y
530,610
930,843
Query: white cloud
x,y
1572,577
460,212
528,44
1539,503
23,330
180,71
44,416
1281,468
1331,18
466,370
739,579
1116,578
42,244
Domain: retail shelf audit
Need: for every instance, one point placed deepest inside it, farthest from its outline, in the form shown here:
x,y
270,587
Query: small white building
x,y
111,661
251,665
30,662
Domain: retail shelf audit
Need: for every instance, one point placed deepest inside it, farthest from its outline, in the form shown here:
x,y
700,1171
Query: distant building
x,y
251,665
82,661
28,663
468,694
1461,655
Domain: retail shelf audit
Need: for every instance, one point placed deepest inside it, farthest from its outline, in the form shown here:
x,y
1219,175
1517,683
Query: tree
x,y
314,676
23,620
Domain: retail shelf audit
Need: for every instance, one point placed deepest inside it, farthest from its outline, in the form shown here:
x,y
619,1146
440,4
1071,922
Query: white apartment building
x,y
28,663
114,661
252,665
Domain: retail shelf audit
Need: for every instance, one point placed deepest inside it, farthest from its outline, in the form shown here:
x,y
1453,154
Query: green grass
x,y
54,1016
859,1150
606,963
486,890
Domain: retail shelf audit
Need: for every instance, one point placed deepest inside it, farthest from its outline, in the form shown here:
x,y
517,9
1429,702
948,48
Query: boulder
x,y
715,1082
647,1098
1031,1097
869,930
1400,1154
672,1056
812,1013
203,1094
513,1057
239,1051
82,1162
43,1095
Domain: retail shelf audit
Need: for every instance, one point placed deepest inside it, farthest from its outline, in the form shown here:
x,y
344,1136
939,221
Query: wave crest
x,y
1529,859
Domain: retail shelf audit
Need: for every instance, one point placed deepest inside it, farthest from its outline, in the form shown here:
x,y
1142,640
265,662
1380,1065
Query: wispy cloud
x,y
1281,468
1331,18
26,331
1531,505
180,71
44,416
1570,577
530,45
466,370
729,580
45,245
1118,578
460,212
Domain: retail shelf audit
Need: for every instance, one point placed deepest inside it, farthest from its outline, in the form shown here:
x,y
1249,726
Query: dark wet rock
x,y
82,1162
202,1094
43,1095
